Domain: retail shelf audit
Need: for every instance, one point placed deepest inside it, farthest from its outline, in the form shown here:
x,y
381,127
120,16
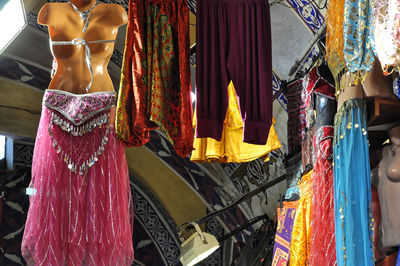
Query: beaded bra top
x,y
85,16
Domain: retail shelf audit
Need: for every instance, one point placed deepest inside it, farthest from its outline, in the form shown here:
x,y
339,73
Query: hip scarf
x,y
352,186
283,236
301,235
155,81
322,246
81,211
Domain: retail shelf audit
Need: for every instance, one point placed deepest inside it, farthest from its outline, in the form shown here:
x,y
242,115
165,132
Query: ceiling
x,y
24,74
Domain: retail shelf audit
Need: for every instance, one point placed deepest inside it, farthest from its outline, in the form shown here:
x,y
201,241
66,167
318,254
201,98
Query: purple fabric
x,y
283,235
234,43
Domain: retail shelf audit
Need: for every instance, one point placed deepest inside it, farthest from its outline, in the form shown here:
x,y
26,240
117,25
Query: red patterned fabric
x,y
155,83
322,247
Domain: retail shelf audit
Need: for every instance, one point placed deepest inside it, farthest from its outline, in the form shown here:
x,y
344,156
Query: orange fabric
x,y
334,38
301,234
231,148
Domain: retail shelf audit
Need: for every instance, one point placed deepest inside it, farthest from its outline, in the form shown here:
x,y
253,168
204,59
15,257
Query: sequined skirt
x,y
352,186
81,208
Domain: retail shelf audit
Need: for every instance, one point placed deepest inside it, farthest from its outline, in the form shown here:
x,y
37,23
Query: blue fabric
x,y
398,260
352,186
358,37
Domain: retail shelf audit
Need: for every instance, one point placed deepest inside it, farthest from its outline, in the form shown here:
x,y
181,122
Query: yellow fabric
x,y
301,234
334,39
231,148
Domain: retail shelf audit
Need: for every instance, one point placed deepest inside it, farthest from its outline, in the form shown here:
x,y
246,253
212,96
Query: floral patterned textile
x,y
155,82
358,37
81,208
384,32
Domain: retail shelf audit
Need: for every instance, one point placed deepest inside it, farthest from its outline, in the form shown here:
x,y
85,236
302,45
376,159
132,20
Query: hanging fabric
x,y
155,84
334,39
283,237
352,186
358,38
231,148
322,244
384,33
301,235
233,43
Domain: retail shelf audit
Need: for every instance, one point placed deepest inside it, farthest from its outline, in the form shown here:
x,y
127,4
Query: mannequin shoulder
x,y
49,9
115,13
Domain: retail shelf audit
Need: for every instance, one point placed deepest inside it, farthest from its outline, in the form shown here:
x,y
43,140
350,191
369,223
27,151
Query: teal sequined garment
x,y
358,36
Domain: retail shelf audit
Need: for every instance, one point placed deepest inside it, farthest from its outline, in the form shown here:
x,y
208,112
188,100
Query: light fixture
x,y
197,247
12,19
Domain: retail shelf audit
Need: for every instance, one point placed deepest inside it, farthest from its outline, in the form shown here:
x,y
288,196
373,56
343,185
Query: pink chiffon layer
x,y
81,207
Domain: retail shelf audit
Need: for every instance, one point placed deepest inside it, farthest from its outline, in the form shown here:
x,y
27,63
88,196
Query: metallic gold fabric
x,y
301,235
231,148
358,38
334,38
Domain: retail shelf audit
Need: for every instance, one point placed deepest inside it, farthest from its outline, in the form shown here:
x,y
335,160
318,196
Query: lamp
x,y
12,19
197,247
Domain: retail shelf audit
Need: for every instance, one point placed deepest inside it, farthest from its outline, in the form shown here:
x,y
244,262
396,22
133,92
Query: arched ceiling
x,y
187,190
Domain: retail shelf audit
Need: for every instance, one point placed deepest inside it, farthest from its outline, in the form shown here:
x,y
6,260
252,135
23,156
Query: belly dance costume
x,y
352,186
81,208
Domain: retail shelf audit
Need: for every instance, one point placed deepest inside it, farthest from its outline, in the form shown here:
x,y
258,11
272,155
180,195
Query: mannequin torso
x,y
387,179
350,91
65,24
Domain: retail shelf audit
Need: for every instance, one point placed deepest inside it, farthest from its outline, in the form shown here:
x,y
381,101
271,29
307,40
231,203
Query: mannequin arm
x,y
375,176
43,15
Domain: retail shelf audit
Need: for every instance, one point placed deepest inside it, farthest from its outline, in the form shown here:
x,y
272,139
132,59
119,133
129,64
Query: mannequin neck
x,y
83,5
394,135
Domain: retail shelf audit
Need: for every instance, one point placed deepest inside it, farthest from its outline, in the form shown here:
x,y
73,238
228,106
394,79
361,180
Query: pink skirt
x,y
80,204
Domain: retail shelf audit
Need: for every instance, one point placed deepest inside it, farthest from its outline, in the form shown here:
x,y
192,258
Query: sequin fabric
x,y
352,186
334,39
301,235
384,33
322,244
296,117
283,236
155,81
231,148
81,208
396,87
358,38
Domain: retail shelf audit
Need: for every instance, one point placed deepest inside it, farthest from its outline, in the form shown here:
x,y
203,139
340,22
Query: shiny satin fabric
x,y
334,39
231,148
358,37
322,244
301,234
81,210
352,186
155,89
283,236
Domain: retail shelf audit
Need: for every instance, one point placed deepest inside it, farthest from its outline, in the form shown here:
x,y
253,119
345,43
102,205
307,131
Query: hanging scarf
x,y
358,39
384,33
334,39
